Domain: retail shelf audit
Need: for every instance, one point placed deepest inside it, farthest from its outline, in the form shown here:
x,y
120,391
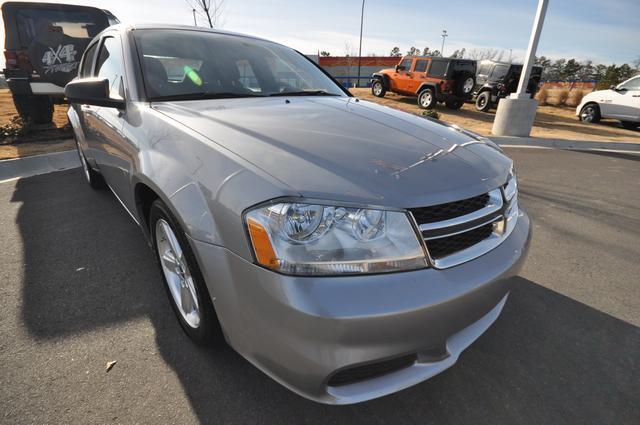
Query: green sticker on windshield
x,y
193,75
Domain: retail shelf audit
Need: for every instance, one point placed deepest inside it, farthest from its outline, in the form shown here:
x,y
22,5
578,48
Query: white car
x,y
621,102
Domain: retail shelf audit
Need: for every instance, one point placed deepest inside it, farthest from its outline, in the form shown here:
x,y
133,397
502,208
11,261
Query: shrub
x,y
430,113
15,129
563,95
542,96
575,97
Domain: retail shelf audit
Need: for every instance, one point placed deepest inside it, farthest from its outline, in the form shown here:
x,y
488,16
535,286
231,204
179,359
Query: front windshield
x,y
184,64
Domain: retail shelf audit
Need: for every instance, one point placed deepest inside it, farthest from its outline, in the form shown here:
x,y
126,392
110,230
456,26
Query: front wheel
x,y
377,89
483,101
426,99
630,125
182,277
95,179
590,113
454,104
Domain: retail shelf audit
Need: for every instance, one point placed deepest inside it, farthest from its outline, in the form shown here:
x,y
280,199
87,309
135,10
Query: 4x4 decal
x,y
52,60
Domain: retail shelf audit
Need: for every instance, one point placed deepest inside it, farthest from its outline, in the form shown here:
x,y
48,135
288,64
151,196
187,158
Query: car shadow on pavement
x,y
548,359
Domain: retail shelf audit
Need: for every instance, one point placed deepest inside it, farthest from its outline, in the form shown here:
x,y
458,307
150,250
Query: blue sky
x,y
603,31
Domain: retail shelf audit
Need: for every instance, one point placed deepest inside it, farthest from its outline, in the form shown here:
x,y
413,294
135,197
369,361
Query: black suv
x,y
496,80
43,46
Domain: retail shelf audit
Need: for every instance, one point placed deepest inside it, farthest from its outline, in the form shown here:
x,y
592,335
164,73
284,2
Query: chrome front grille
x,y
450,210
460,231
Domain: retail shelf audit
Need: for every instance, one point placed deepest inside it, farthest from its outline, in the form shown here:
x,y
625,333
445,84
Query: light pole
x,y
360,48
195,23
515,114
444,35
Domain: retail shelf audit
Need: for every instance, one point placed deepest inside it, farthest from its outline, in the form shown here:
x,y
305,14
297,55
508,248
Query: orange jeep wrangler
x,y
431,79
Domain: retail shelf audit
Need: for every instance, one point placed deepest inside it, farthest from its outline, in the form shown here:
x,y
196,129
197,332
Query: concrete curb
x,y
565,144
38,164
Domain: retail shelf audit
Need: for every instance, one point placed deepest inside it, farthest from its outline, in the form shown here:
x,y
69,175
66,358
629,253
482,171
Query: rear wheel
x,y
590,113
35,109
426,99
182,277
483,101
630,125
454,103
377,89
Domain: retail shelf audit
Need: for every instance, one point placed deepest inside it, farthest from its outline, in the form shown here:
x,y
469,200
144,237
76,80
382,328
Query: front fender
x,y
206,187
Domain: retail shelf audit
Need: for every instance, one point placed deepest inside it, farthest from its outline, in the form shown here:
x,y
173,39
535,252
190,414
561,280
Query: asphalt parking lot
x,y
80,289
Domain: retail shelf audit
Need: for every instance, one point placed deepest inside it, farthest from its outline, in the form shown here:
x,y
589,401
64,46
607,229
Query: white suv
x,y
621,102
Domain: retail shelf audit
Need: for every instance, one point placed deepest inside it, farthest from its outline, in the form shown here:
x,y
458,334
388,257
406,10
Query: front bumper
x,y
301,330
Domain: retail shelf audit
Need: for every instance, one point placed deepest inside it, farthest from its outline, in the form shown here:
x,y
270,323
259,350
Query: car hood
x,y
345,149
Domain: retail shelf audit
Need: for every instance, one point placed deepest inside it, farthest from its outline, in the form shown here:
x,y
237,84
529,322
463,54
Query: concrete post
x,y
515,115
531,50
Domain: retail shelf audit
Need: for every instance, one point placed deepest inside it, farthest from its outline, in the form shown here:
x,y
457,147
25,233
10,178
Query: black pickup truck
x,y
43,46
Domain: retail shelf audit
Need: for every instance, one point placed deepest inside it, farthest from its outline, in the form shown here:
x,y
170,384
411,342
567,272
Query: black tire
x,y
426,99
454,104
94,178
590,113
483,102
208,332
377,88
34,109
630,125
465,84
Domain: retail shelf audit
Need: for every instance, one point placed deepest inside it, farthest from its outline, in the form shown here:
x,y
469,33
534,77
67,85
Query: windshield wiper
x,y
305,93
202,95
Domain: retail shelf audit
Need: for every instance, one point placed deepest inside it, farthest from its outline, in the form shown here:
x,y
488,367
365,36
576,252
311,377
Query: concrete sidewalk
x,y
38,164
565,144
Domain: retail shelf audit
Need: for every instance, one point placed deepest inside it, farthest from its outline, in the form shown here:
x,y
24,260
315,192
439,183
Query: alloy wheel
x,y
425,99
468,85
377,88
177,274
588,114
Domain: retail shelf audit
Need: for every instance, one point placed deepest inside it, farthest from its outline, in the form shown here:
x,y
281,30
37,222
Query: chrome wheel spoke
x,y
177,274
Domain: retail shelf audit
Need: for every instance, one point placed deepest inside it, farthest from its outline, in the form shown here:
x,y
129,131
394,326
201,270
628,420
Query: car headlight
x,y
511,186
311,239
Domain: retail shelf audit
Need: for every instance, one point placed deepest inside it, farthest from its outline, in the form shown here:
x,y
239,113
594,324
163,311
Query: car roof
x,y
161,26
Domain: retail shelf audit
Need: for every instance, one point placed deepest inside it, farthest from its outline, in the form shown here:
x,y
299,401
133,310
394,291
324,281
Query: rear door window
x,y
421,65
438,69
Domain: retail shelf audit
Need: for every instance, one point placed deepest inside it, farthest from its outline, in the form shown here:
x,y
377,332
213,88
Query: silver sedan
x,y
346,249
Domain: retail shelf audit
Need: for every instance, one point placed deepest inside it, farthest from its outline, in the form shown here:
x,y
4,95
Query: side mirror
x,y
612,87
92,91
399,68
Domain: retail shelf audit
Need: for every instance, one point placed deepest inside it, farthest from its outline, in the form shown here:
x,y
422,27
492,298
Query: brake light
x,y
11,58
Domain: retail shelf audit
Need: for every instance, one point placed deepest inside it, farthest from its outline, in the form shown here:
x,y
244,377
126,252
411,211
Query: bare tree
x,y
212,10
482,54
